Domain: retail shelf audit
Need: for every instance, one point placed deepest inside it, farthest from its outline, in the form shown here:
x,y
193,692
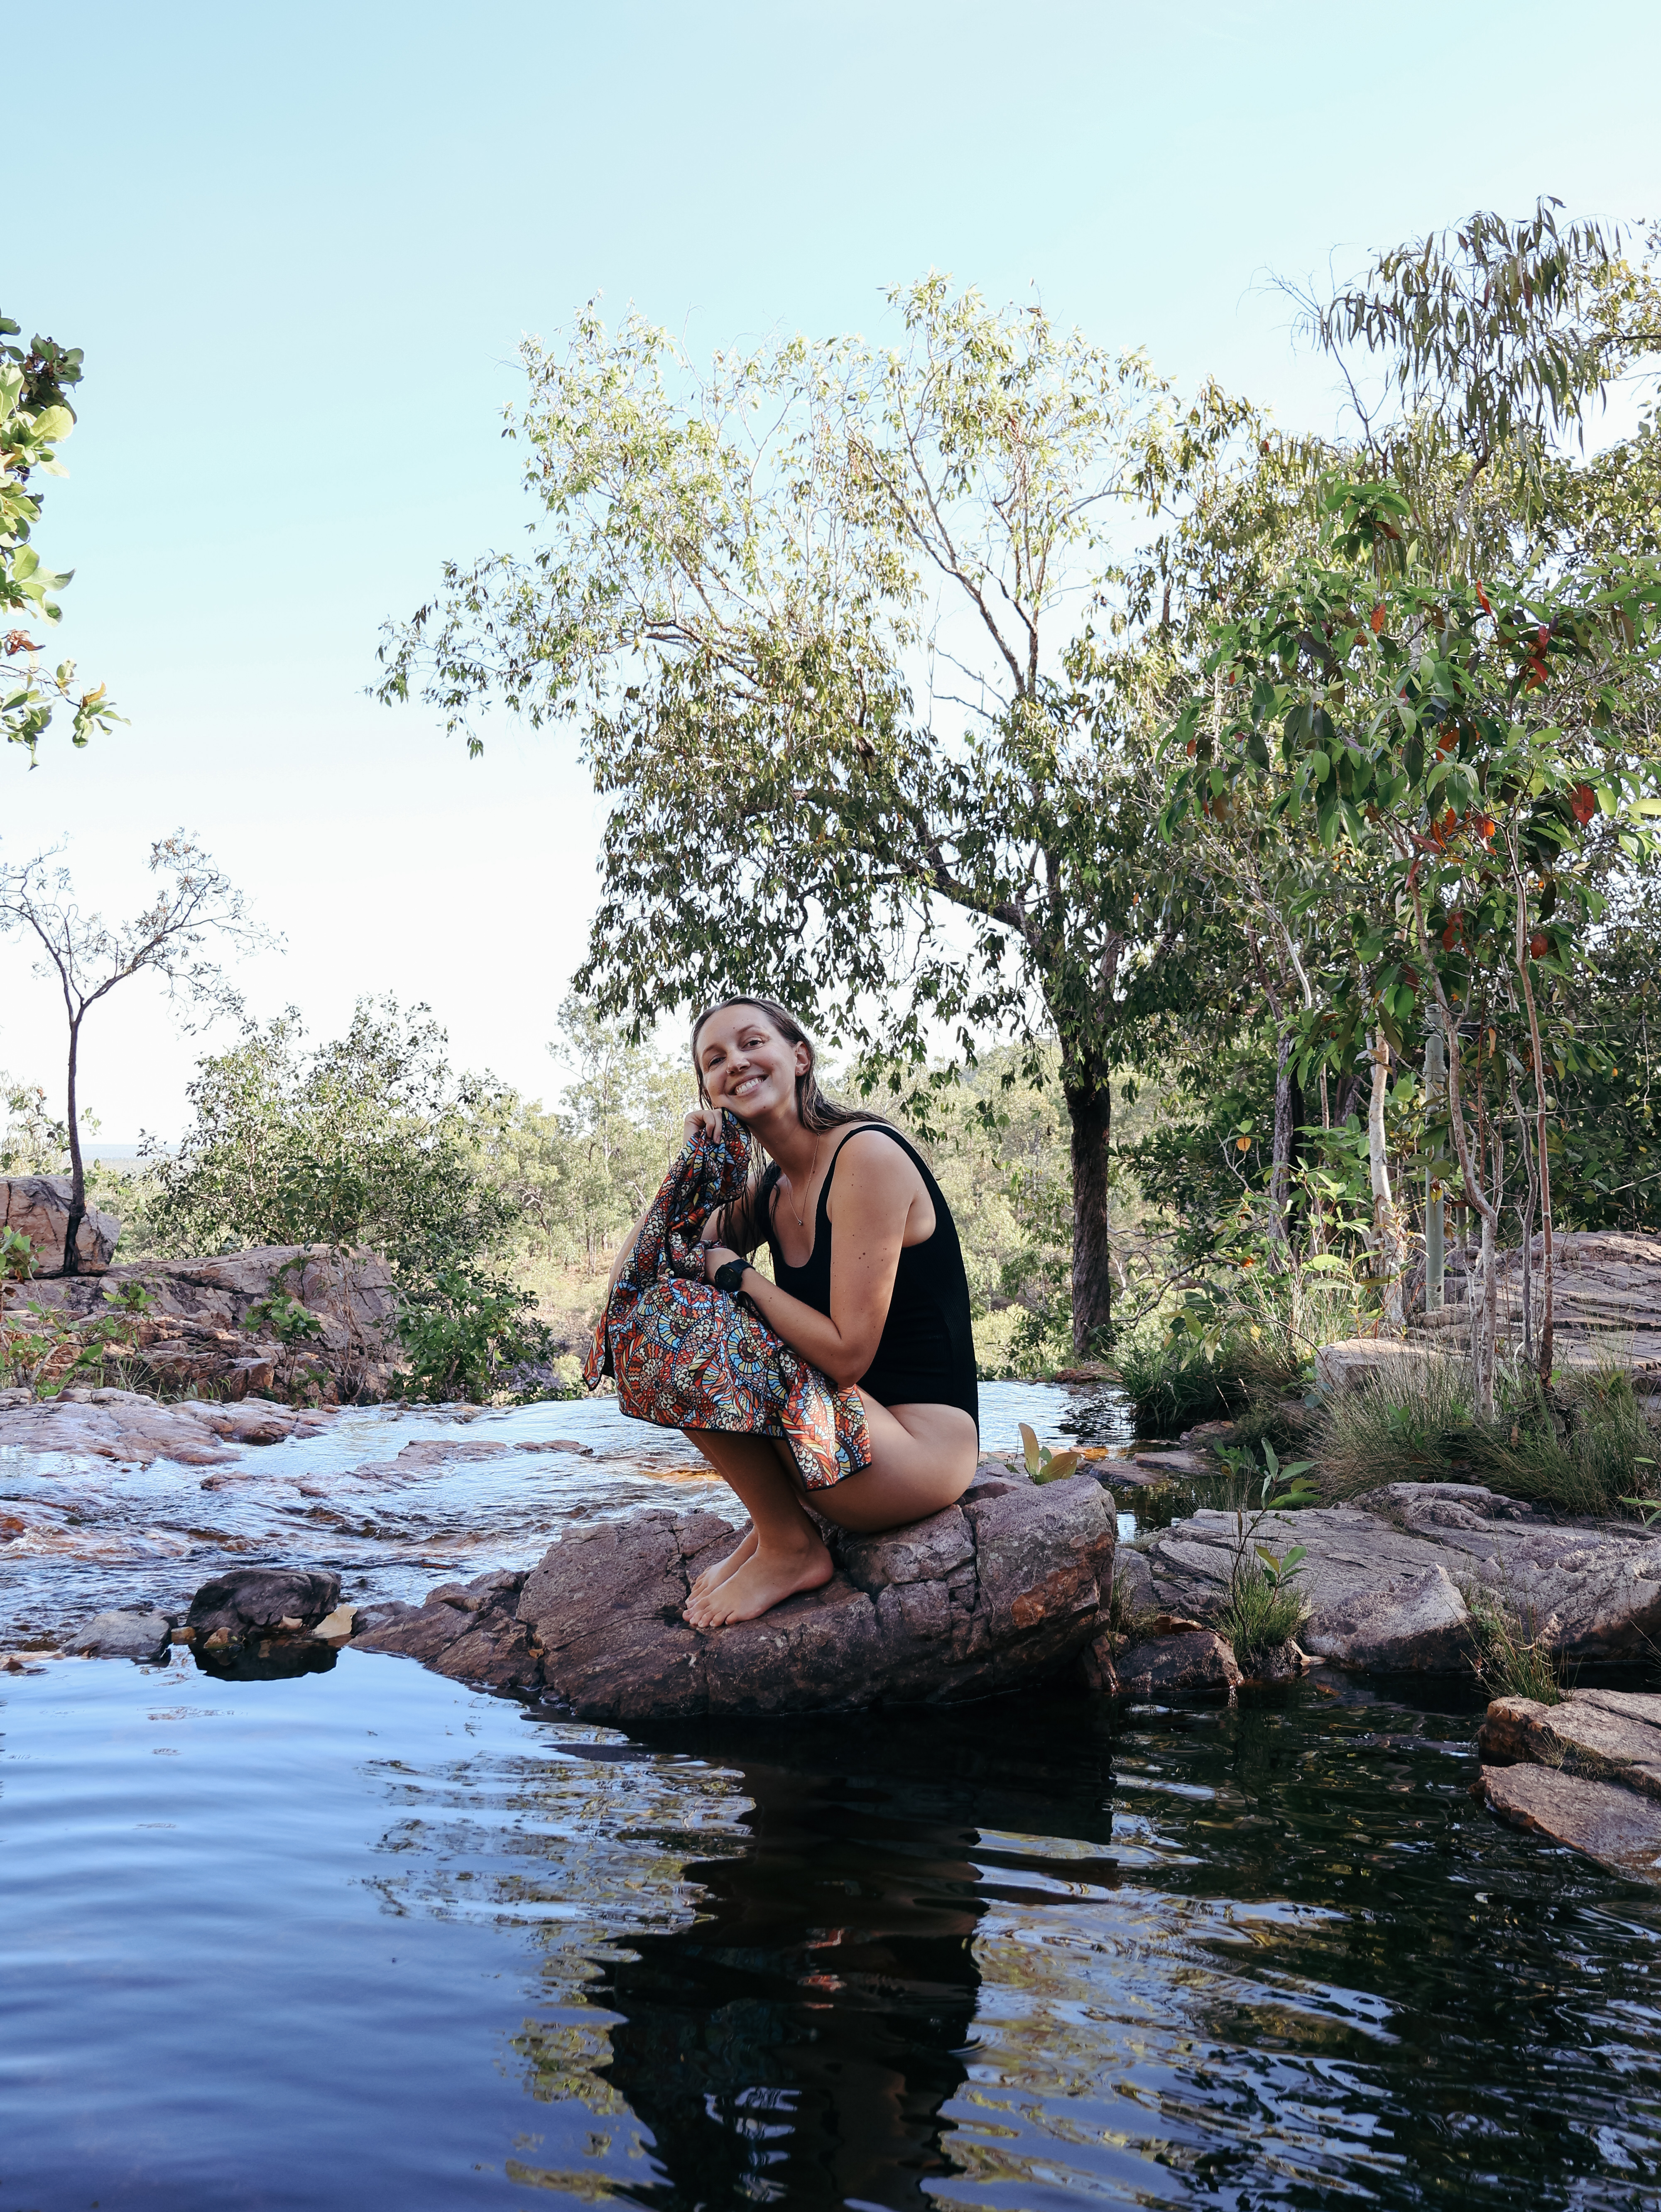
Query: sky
x,y
300,247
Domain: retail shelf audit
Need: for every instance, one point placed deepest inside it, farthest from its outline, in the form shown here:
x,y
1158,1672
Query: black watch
x,y
729,1275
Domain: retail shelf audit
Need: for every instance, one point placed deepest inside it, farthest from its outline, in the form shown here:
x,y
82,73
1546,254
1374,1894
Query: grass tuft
x,y
1515,1659
1256,1617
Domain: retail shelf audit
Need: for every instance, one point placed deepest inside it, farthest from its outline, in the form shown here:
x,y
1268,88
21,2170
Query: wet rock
x,y
125,1636
1614,1735
1005,1589
1618,1828
1385,1574
126,1426
251,1603
467,1630
1185,1661
38,1207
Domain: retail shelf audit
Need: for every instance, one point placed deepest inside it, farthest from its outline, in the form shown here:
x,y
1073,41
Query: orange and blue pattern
x,y
688,1356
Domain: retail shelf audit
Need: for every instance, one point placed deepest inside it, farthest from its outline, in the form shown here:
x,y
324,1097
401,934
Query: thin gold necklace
x,y
801,1217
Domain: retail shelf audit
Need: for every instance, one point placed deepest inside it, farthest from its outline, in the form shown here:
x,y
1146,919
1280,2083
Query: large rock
x,y
251,1603
1586,1772
1384,1576
125,1426
202,1330
1619,1829
38,1207
1004,1589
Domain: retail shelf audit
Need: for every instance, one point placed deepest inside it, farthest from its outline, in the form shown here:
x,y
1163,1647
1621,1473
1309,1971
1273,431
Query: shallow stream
x,y
364,1939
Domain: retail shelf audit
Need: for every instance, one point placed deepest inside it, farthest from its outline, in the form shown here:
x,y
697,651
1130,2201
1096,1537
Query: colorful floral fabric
x,y
688,1356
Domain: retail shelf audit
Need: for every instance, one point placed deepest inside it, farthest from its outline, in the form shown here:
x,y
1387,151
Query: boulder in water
x,y
253,1602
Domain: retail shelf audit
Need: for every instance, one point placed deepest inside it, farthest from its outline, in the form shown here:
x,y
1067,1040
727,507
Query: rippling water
x,y
365,1939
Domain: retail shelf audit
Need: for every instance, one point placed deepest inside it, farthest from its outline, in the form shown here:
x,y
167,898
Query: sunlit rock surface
x,y
206,1327
38,1207
1386,1576
1004,1589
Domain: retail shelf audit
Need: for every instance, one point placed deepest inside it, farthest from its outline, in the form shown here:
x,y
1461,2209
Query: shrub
x,y
463,1337
1259,1614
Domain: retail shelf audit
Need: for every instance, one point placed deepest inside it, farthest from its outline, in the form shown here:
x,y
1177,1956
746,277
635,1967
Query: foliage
x,y
464,1335
283,1317
369,1139
733,595
1577,1445
35,418
1043,1464
1262,1608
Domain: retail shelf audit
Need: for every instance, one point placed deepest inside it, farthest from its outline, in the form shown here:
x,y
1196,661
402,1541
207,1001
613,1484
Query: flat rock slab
x,y
1616,1827
1384,1576
1004,1589
1610,1735
126,1426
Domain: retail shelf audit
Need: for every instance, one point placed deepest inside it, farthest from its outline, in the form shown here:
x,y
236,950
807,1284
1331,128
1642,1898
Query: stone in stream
x,y
123,1635
1385,1574
1586,1772
127,1426
1001,1589
253,1602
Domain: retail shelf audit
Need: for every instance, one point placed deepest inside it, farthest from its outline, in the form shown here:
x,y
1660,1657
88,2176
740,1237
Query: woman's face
x,y
746,1066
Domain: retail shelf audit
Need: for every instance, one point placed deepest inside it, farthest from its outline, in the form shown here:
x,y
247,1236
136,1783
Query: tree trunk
x,y
1090,1107
1386,1223
77,1172
1279,1177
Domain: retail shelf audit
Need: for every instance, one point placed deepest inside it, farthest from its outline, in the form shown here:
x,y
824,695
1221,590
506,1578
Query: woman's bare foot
x,y
765,1580
712,1578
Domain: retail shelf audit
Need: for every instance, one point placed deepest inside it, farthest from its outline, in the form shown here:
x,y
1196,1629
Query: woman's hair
x,y
817,1111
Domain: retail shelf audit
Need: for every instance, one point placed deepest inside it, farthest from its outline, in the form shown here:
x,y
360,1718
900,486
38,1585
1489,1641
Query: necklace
x,y
801,1217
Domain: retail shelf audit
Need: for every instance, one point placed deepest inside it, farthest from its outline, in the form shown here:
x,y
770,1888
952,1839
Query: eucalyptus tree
x,y
175,939
35,418
825,621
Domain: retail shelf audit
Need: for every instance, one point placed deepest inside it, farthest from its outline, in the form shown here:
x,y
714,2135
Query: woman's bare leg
x,y
922,1458
788,1554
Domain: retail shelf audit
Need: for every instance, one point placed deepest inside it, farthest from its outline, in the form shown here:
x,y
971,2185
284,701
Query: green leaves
x,y
1042,1464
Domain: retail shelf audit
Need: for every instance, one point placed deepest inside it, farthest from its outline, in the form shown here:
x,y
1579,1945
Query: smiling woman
x,y
869,1287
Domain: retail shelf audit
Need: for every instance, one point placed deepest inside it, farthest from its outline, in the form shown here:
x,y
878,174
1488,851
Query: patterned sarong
x,y
688,1356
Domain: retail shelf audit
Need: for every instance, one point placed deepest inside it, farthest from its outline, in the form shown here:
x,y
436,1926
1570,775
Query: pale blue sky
x,y
300,247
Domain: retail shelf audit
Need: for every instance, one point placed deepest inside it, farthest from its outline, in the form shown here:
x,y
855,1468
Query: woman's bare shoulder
x,y
887,1166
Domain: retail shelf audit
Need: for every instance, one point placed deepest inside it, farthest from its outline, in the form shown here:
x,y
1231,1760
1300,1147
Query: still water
x,y
364,1939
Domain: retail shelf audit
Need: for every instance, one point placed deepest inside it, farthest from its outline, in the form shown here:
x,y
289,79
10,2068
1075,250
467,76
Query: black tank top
x,y
925,1355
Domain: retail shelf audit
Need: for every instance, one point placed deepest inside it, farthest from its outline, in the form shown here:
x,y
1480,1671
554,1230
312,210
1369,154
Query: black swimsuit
x,y
925,1355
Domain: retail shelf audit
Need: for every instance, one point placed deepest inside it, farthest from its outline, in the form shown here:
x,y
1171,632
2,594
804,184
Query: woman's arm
x,y
876,1188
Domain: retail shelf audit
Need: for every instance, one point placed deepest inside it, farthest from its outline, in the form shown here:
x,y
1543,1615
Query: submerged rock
x,y
1384,1576
1617,1828
1004,1589
123,1635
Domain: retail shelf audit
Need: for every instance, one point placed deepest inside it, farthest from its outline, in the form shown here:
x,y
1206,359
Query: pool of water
x,y
366,1939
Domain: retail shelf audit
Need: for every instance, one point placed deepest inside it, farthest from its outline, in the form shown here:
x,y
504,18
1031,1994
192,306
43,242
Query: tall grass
x,y
1581,1451
1514,1658
1256,1616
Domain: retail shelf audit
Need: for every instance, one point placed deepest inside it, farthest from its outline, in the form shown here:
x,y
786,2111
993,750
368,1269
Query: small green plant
x,y
288,1321
1043,1464
1514,1656
1262,1608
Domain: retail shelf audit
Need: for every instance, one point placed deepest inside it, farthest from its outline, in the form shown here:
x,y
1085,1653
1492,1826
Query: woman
x,y
869,1286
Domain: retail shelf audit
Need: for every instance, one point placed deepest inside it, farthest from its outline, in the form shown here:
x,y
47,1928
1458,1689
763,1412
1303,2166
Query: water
x,y
365,1939
394,1501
